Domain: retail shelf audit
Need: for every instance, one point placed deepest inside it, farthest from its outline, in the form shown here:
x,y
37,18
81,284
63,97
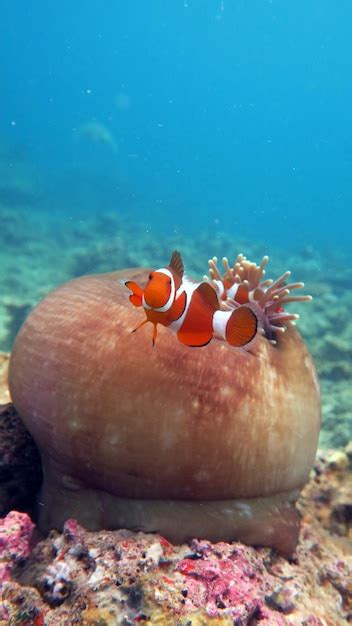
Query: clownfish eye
x,y
150,276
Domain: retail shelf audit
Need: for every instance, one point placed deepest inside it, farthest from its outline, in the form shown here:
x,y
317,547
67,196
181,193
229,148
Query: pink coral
x,y
15,534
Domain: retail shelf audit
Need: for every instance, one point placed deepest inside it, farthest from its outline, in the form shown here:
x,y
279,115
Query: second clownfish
x,y
191,309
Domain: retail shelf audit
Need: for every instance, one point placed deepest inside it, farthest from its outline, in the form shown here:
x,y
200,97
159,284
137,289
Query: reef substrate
x,y
120,577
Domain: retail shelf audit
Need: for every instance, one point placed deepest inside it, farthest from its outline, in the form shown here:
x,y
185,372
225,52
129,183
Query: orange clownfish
x,y
191,309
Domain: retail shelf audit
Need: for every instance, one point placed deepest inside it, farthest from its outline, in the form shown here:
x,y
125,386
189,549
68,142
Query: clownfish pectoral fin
x,y
137,292
241,327
176,263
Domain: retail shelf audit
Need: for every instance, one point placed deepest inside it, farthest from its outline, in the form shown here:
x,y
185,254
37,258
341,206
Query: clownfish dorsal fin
x,y
209,294
176,263
241,295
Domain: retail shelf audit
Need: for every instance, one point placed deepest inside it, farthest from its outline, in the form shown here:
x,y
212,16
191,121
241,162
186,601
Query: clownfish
x,y
190,309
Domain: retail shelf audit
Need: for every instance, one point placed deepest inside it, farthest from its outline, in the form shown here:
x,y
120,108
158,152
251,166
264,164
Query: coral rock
x,y
15,534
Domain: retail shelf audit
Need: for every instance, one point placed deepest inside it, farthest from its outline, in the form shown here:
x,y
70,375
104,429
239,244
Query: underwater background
x,y
128,129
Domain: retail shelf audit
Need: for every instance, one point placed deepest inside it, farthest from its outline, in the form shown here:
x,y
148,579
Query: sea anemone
x,y
214,442
243,283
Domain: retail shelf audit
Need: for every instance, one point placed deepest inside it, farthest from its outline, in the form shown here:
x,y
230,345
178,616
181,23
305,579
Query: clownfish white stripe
x,y
220,320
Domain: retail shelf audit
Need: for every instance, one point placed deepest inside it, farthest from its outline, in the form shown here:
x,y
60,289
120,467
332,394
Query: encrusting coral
x,y
213,443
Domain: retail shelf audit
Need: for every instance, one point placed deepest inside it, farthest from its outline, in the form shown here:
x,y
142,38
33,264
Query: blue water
x,y
232,114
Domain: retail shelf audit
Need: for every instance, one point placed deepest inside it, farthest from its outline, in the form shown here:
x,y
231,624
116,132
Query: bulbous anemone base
x,y
271,521
211,442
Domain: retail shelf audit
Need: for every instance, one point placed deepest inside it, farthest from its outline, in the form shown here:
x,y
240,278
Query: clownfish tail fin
x,y
176,263
241,327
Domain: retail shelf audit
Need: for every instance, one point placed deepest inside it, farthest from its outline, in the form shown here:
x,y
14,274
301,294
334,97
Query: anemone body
x,y
211,442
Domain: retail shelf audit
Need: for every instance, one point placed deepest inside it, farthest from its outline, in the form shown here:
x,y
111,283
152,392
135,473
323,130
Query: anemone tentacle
x,y
267,296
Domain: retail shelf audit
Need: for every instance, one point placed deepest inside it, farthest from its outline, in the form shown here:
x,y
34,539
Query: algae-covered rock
x,y
20,466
